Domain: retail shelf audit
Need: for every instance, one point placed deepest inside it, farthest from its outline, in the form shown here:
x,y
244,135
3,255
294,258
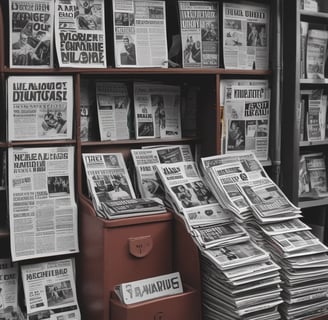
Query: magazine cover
x,y
40,107
199,26
80,33
140,33
31,33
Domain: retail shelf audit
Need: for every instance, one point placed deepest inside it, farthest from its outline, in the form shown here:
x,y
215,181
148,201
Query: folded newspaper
x,y
150,288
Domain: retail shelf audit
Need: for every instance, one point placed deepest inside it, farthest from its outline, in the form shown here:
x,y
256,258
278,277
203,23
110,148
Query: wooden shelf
x,y
313,203
312,14
40,143
314,81
313,143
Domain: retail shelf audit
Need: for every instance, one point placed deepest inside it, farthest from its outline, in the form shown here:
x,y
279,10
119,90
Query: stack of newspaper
x,y
240,281
240,183
276,228
111,189
303,260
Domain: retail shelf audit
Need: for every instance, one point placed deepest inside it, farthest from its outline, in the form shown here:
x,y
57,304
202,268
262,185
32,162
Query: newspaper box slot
x,y
140,247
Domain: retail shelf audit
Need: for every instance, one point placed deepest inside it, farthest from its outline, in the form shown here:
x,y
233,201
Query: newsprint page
x,y
80,33
140,33
31,33
39,107
50,292
42,208
246,36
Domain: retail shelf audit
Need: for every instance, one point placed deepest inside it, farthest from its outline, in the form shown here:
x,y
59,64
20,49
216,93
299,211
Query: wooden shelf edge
x,y
313,203
314,14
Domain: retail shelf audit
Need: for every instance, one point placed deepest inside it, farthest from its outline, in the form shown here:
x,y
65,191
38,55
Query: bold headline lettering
x,y
248,13
257,109
45,274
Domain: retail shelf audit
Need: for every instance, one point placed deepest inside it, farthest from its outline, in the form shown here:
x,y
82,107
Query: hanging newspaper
x,y
316,51
8,289
226,91
199,24
31,33
40,107
246,36
49,289
157,110
42,208
113,106
80,33
145,160
140,33
108,178
247,119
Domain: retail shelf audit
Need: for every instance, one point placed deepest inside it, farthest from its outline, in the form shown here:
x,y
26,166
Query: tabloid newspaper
x,y
49,289
246,36
80,33
39,107
150,288
199,26
247,119
31,33
145,160
8,289
157,110
316,51
140,33
113,106
42,208
108,179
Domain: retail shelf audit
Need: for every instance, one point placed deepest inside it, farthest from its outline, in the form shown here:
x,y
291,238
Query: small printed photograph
x,y
90,15
111,160
121,102
58,185
59,293
55,122
236,135
186,196
262,128
204,195
256,35
169,155
234,34
156,12
153,188
209,31
121,19
146,129
192,49
127,49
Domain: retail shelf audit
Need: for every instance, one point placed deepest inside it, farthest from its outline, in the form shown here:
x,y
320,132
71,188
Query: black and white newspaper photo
x,y
40,108
246,36
50,290
140,33
42,207
199,26
80,33
31,33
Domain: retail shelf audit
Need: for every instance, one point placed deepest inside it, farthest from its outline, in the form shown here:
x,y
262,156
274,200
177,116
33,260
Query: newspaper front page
x,y
42,208
246,36
140,33
145,160
107,178
49,289
39,107
199,26
157,110
113,106
247,120
31,33
80,33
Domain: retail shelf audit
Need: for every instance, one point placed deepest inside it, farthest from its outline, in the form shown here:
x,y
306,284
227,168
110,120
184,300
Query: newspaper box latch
x,y
140,246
